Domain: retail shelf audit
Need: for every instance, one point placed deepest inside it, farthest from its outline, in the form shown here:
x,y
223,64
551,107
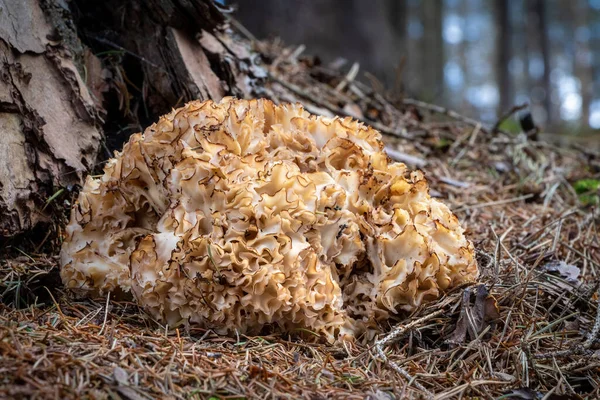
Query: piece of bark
x,y
193,67
164,64
50,128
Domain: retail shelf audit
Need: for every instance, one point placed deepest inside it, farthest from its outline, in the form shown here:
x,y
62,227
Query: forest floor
x,y
527,329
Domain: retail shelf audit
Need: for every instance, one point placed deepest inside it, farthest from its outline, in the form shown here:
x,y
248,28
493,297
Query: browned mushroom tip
x,y
241,214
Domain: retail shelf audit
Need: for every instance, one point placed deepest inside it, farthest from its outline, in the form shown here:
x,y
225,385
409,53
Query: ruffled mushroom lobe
x,y
241,214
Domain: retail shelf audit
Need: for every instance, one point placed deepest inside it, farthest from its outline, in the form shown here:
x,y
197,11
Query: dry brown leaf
x,y
569,272
474,319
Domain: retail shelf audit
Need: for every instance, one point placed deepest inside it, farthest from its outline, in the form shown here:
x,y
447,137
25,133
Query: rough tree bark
x,y
49,122
59,101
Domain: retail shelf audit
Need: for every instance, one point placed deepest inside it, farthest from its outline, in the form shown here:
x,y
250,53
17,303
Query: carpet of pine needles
x,y
527,329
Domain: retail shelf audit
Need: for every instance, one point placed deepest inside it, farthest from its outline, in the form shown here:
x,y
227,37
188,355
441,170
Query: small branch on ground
x,y
578,349
392,337
399,133
441,110
397,155
593,336
514,109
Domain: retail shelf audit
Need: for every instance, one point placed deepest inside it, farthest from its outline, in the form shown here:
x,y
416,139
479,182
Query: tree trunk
x,y
583,61
49,120
58,101
398,21
363,31
538,49
433,50
504,55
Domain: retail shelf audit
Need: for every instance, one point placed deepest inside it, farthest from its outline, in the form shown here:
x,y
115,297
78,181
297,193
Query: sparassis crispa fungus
x,y
240,214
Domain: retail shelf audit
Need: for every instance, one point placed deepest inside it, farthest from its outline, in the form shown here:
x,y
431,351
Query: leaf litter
x,y
529,327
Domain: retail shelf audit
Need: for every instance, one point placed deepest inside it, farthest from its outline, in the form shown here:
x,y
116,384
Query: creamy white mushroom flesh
x,y
240,214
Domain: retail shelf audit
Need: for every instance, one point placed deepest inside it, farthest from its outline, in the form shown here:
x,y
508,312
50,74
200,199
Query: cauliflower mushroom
x,y
240,214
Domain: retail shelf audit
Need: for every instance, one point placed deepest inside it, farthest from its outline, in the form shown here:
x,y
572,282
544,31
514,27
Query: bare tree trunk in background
x,y
398,20
583,61
425,57
153,55
519,48
414,77
463,61
538,46
594,44
545,47
358,30
433,50
504,54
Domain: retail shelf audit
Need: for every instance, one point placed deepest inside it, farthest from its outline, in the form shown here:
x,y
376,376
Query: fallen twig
x,y
399,133
395,335
507,115
495,203
442,110
593,335
405,158
349,77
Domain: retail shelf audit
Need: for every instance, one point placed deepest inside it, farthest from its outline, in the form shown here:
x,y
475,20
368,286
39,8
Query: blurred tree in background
x,y
478,56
